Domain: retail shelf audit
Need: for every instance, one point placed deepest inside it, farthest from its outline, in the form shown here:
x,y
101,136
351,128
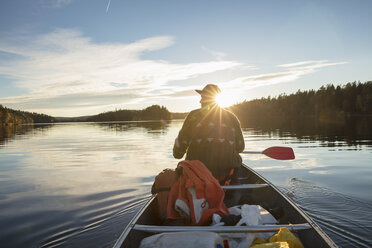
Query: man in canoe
x,y
212,135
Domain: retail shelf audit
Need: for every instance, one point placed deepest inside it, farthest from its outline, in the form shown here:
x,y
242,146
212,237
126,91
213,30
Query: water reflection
x,y
353,132
9,132
154,127
339,207
79,184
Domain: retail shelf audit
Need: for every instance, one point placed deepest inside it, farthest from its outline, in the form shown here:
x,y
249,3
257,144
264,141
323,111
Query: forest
x,y
14,117
154,112
328,104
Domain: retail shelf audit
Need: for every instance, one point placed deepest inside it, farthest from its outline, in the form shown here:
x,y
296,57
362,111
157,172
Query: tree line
x,y
328,104
154,112
10,116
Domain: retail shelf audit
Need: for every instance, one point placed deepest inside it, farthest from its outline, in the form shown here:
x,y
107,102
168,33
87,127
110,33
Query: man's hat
x,y
210,90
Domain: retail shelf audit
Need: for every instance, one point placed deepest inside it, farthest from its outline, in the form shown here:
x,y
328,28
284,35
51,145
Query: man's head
x,y
208,94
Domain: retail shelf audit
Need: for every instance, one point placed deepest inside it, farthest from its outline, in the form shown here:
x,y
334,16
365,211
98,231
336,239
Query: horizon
x,y
116,109
68,58
175,112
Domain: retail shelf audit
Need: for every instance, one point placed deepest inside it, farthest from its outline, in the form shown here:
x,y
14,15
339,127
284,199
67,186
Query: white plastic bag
x,y
250,215
216,220
183,240
235,210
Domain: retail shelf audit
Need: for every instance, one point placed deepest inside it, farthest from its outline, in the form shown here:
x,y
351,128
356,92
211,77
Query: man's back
x,y
213,136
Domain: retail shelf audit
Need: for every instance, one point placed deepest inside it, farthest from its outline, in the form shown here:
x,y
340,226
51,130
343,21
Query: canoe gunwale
x,y
244,186
132,223
298,209
310,225
221,229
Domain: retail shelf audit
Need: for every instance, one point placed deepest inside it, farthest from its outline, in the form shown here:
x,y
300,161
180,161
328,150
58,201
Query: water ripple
x,y
100,221
347,220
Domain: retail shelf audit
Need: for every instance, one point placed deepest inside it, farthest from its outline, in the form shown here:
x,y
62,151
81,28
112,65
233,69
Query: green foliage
x,y
10,116
154,112
329,104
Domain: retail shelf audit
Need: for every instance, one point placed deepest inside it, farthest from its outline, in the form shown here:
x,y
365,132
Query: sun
x,y
224,100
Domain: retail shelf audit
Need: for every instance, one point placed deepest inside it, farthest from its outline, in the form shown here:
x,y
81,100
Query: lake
x,y
79,184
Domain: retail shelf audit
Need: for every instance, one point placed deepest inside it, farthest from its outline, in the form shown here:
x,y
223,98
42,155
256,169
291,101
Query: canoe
x,y
253,189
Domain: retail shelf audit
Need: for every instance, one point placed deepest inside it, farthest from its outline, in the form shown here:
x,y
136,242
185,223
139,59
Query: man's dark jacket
x,y
213,136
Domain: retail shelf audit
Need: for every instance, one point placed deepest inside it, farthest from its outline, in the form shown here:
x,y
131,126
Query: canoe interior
x,y
268,197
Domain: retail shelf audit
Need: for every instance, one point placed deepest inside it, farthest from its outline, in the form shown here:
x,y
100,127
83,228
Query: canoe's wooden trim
x,y
220,229
244,186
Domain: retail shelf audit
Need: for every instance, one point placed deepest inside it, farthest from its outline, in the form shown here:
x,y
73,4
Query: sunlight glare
x,y
224,100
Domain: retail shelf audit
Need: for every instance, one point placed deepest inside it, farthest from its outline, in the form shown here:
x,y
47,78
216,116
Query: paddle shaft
x,y
251,152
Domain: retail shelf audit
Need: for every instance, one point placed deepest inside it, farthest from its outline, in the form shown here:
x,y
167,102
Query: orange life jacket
x,y
197,192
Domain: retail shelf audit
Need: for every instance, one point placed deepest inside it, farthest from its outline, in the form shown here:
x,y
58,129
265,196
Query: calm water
x,y
79,184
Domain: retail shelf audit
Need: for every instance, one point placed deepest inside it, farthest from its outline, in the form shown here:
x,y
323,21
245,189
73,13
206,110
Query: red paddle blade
x,y
279,152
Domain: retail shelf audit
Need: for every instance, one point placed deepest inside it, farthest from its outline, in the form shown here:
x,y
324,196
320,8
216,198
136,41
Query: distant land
x,y
14,117
73,119
328,104
154,112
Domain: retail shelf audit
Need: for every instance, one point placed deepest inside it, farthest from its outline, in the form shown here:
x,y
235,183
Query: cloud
x,y
185,92
65,70
64,64
235,87
270,77
54,3
76,104
108,5
309,62
76,99
310,66
217,55
293,72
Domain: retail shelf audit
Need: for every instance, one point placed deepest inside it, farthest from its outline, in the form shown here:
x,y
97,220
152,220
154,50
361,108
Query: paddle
x,y
276,152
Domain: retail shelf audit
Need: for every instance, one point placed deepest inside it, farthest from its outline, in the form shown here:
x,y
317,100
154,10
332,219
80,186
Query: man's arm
x,y
183,139
178,149
239,138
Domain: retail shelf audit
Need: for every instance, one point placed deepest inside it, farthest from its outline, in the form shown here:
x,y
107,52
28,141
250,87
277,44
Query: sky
x,y
84,57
